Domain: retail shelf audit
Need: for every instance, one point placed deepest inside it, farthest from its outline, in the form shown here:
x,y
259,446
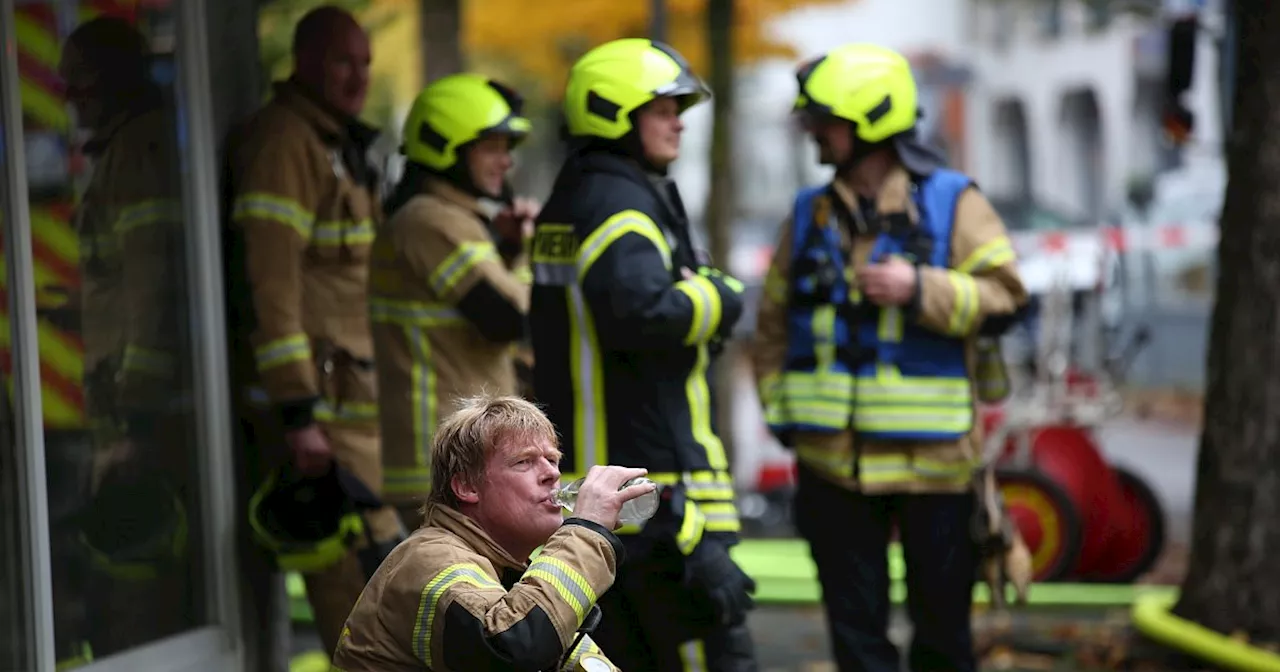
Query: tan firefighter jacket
x,y
978,234
450,599
129,227
431,254
306,218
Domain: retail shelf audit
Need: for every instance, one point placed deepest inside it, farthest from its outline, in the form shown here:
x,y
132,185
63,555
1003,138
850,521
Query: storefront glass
x,y
15,631
105,163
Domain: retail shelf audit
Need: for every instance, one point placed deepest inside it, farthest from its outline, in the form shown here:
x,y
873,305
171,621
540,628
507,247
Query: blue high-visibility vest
x,y
853,365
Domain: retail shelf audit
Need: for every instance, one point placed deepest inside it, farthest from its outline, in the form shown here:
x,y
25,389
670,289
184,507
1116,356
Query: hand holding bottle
x,y
602,494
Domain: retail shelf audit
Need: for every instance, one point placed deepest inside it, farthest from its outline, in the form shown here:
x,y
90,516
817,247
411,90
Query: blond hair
x,y
464,441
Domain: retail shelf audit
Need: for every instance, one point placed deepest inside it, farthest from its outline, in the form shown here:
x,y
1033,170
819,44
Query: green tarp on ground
x,y
785,575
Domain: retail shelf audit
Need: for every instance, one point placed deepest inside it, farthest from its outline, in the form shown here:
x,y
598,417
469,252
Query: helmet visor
x,y
687,88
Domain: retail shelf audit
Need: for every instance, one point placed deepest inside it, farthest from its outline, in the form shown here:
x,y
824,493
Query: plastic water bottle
x,y
633,512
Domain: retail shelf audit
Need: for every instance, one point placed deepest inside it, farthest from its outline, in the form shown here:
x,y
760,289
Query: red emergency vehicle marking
x,y
1054,242
1173,236
1116,240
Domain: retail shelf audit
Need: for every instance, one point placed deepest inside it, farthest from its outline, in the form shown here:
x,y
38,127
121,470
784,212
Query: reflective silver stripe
x,y
430,600
555,275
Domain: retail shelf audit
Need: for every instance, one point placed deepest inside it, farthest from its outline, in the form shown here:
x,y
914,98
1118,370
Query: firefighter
x,y
303,214
447,306
882,284
128,221
461,592
625,319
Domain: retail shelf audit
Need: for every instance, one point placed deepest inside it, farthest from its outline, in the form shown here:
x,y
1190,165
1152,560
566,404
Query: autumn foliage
x,y
543,39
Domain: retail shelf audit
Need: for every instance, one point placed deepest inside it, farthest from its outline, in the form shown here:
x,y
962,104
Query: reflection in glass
x,y
106,206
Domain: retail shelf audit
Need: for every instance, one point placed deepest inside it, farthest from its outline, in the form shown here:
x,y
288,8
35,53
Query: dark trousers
x,y
650,623
848,535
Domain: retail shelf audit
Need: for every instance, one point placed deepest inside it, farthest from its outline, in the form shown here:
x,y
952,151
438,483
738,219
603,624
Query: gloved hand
x,y
712,572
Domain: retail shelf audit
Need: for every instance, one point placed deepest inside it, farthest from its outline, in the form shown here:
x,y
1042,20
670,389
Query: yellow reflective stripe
x,y
413,313
524,274
44,106
406,480
693,656
823,325
700,486
890,402
855,294
455,267
468,573
332,233
272,208
614,228
823,398
585,647
281,351
720,516
698,395
422,375
899,468
691,527
590,428
79,659
838,464
707,308
994,253
964,313
347,411
102,245
889,328
568,583
146,213
147,360
36,40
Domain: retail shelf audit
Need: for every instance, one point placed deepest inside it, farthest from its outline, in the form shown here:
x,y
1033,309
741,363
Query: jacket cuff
x,y
619,553
298,413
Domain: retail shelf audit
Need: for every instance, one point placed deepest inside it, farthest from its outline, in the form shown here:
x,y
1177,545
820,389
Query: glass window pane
x,y
104,167
15,633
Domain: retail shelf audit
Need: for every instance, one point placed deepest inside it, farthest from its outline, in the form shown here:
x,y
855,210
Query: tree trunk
x,y
441,30
1235,557
658,20
719,210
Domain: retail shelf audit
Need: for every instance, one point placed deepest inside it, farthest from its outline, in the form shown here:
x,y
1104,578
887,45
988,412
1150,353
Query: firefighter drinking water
x,y
624,320
461,593
303,212
446,303
882,284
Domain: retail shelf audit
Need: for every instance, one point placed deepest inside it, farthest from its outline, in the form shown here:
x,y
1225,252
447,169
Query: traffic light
x,y
1176,120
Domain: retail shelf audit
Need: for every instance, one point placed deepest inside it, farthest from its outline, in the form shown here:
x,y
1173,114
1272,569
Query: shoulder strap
x,y
936,197
802,216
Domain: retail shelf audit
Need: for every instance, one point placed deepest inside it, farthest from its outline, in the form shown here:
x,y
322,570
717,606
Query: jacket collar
x,y
894,194
663,188
894,198
97,144
333,126
453,194
452,521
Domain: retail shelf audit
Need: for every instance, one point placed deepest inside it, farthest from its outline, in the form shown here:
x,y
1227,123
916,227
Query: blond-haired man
x,y
460,594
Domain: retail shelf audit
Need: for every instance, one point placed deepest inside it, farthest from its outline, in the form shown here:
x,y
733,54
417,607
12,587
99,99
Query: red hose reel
x,y
1081,518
